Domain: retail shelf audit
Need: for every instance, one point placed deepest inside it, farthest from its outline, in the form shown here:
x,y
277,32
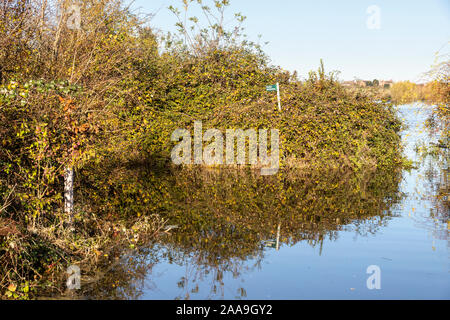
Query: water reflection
x,y
431,185
226,221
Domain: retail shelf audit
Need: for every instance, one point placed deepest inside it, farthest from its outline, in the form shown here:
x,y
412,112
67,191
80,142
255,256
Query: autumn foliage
x,y
112,92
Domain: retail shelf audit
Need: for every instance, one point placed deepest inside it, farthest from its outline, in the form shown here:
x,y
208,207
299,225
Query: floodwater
x,y
308,237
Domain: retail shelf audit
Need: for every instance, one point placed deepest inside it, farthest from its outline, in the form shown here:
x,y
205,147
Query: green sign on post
x,y
275,87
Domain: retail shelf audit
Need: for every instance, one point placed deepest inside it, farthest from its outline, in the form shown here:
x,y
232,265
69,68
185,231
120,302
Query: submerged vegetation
x,y
103,100
438,125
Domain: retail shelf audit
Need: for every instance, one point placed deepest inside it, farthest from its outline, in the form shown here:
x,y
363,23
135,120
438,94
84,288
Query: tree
x,y
76,77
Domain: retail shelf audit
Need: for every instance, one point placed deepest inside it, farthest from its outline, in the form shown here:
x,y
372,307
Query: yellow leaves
x,y
12,287
98,253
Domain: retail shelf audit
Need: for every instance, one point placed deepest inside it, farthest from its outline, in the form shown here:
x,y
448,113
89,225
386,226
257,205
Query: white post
x,y
278,96
68,194
278,237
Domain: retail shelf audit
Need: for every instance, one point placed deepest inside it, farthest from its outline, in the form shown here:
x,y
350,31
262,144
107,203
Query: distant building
x,y
367,83
361,83
348,83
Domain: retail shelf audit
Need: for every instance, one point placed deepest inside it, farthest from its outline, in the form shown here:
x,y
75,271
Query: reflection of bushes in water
x,y
229,213
436,188
225,215
235,210
435,155
133,275
124,279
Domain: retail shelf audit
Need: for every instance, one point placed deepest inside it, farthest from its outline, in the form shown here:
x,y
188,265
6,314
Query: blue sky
x,y
300,33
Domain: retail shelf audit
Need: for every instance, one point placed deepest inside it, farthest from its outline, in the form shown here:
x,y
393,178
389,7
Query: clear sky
x,y
301,32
